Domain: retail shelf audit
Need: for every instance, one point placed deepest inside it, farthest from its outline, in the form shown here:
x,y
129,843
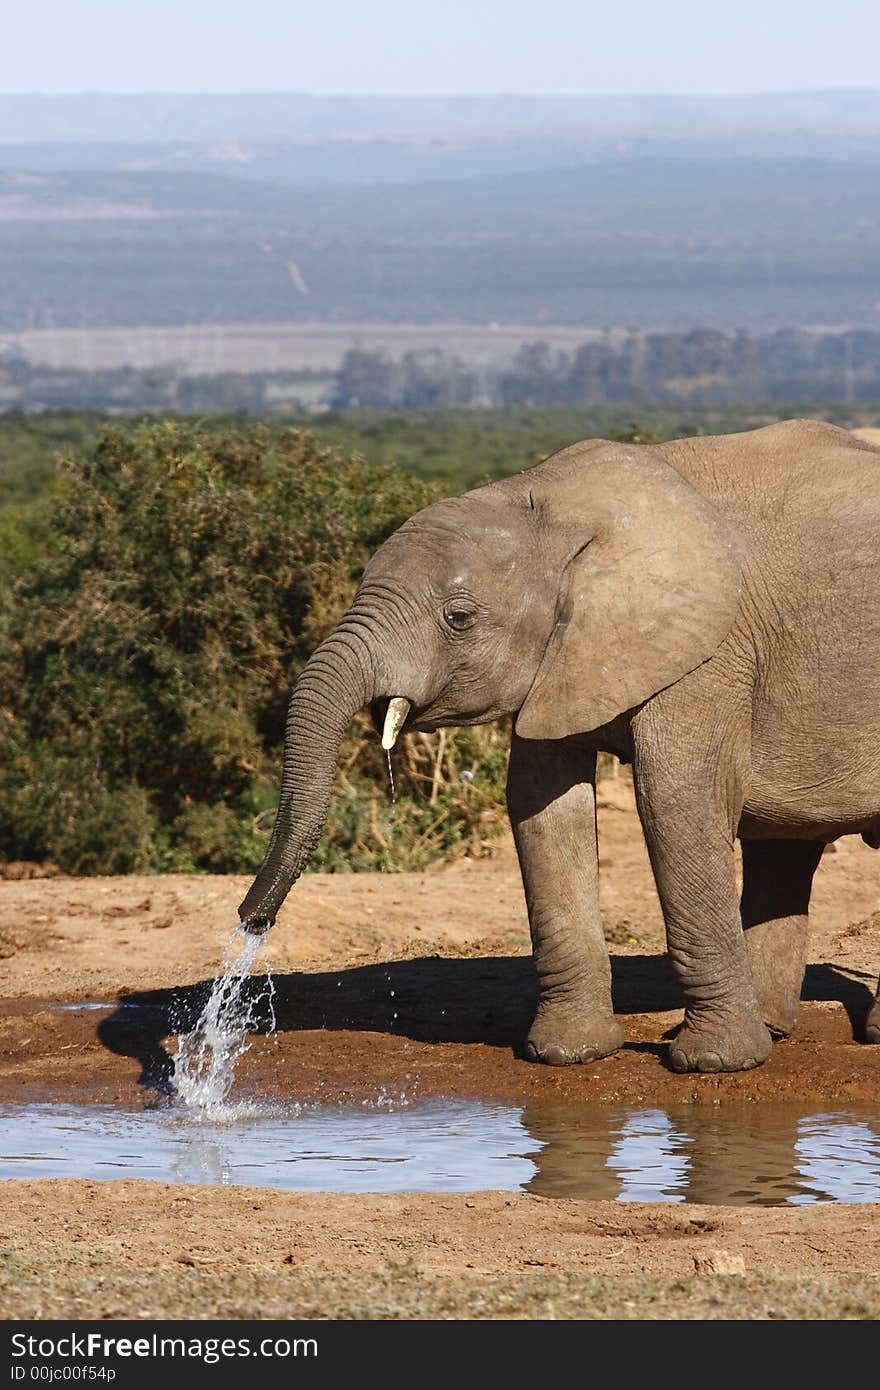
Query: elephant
x,y
704,609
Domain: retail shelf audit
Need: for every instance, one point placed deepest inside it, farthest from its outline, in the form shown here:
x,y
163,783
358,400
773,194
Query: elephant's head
x,y
566,594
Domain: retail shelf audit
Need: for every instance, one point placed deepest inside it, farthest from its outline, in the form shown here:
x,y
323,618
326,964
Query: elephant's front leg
x,y
551,799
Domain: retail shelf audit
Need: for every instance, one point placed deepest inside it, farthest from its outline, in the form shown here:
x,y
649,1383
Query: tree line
x,y
700,367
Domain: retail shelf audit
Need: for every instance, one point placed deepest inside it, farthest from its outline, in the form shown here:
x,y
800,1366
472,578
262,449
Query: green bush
x,y
146,659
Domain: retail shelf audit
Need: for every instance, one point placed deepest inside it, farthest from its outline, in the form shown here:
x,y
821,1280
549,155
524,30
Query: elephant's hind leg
x,y
552,804
777,880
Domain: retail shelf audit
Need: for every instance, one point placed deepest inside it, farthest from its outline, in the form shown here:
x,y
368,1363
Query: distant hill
x,y
321,163
306,141
750,243
34,118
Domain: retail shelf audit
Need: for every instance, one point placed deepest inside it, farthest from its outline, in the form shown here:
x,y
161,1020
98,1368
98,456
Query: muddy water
x,y
732,1155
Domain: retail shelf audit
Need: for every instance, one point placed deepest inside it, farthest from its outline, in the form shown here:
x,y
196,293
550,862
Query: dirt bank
x,y
423,983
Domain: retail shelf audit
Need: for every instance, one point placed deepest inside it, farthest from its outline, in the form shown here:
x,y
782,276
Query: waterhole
x,y
732,1155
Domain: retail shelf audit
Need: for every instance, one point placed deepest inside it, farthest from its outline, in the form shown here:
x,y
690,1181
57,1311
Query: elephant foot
x,y
872,1023
559,1039
737,1044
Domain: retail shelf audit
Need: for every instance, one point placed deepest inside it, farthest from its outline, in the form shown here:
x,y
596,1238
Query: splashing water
x,y
204,1066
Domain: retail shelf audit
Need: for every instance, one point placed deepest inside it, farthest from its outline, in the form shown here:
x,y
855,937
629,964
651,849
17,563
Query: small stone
x,y
719,1262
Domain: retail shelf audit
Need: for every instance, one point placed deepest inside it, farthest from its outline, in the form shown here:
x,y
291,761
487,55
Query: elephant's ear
x,y
648,595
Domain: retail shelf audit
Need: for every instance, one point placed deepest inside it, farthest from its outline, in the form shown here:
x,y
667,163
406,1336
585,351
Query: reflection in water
x,y
728,1155
650,1158
200,1160
839,1156
731,1154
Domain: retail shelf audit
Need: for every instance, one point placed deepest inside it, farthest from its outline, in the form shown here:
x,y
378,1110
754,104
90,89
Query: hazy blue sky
x,y
403,46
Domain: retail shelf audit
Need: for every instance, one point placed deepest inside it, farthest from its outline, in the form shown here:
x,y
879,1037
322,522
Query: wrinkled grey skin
x,y
705,609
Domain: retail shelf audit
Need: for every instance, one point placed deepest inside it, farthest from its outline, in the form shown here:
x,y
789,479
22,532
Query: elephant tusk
x,y
395,718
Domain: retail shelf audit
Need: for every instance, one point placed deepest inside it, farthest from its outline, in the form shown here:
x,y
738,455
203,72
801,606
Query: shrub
x,y
146,660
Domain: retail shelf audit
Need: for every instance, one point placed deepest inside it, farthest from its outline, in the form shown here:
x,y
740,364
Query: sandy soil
x,y
453,946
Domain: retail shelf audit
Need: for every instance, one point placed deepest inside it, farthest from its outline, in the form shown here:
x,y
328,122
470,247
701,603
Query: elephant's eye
x,y
459,618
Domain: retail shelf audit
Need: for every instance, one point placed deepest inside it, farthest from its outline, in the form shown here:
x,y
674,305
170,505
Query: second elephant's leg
x,y
777,879
551,800
872,1020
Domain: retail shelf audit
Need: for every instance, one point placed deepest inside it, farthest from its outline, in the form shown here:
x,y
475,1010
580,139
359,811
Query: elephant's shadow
x,y
489,999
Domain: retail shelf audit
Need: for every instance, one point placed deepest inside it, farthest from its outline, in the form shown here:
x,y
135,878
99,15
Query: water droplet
x,y
391,775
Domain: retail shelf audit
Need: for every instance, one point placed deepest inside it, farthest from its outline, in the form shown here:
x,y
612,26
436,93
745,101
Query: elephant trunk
x,y
337,681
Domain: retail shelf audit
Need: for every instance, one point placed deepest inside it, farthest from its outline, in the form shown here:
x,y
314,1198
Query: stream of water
x,y
391,777
204,1066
